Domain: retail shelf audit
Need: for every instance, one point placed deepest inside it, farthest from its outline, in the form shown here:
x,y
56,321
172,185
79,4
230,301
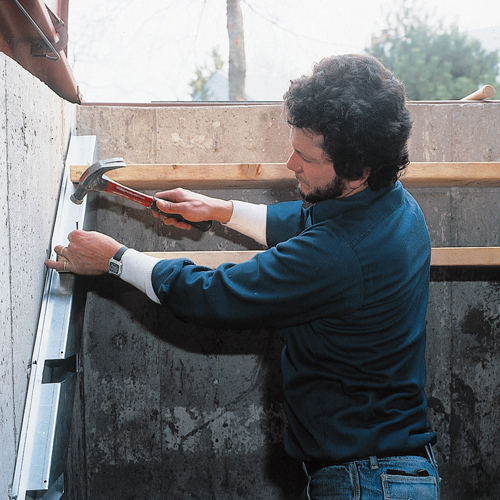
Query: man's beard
x,y
333,190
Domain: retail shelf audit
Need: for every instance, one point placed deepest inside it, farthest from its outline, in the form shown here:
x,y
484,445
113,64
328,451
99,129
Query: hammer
x,y
93,179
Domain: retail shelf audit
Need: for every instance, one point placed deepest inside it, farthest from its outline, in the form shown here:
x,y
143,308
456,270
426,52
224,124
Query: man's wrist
x,y
224,211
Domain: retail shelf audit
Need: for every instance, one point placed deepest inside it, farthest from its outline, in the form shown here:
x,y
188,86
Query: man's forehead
x,y
300,134
297,132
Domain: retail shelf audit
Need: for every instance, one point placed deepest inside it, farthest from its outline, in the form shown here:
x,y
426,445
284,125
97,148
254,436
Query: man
x,y
346,281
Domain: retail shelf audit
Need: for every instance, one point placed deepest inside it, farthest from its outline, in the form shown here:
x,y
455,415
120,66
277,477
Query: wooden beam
x,y
440,257
452,174
262,175
199,176
209,259
465,256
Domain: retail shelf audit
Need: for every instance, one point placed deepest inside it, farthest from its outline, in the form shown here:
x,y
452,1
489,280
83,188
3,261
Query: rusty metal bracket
x,y
37,48
61,30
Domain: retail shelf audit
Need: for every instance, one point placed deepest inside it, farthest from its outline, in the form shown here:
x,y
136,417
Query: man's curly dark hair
x,y
359,108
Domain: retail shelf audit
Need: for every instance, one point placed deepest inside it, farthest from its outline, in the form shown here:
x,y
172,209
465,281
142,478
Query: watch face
x,y
113,268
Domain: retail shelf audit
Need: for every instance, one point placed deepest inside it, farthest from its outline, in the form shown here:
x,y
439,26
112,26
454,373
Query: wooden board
x,y
465,256
209,259
262,175
452,174
198,176
440,257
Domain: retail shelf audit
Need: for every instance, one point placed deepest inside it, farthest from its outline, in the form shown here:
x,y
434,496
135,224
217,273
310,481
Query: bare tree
x,y
237,64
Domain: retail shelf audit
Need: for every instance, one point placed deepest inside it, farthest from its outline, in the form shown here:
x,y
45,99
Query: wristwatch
x,y
115,264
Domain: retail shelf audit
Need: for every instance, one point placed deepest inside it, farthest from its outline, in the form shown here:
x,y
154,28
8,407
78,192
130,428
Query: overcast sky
x,y
148,50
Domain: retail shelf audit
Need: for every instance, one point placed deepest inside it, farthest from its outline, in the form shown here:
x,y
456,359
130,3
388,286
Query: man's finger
x,y
174,222
61,266
167,206
59,249
65,263
50,264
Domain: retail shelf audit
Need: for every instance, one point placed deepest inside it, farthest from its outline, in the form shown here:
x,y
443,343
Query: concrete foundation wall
x,y
168,410
34,133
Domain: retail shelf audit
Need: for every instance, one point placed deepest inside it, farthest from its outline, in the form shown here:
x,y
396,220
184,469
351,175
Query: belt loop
x,y
430,453
373,463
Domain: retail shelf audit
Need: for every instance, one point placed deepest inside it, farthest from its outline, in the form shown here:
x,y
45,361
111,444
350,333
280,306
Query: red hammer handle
x,y
129,194
150,202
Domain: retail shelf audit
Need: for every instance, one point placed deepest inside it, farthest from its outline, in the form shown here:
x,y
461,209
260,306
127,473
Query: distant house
x,y
217,88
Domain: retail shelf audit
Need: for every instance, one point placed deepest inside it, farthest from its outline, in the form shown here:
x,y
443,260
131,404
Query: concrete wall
x,y
167,410
34,132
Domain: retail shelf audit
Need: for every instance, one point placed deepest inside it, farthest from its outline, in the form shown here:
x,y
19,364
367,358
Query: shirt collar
x,y
330,209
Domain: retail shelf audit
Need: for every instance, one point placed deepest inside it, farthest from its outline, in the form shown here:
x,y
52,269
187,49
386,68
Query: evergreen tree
x,y
434,62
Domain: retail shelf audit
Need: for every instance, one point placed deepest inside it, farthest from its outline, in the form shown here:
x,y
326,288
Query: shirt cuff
x,y
249,219
137,269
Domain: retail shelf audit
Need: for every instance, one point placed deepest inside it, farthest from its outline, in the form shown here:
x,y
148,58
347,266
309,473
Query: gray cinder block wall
x,y
34,133
174,411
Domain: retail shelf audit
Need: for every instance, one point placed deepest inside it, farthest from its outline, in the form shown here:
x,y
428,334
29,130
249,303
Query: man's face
x,y
313,170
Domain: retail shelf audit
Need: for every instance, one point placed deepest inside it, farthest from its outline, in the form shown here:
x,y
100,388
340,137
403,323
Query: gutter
x,y
36,38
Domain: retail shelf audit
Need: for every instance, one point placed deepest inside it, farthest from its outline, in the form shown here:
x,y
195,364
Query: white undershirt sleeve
x,y
249,219
137,269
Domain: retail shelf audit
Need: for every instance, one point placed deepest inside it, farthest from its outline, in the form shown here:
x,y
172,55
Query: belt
x,y
313,466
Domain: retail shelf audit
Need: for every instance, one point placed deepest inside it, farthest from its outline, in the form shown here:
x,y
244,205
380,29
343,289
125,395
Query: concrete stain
x,y
477,323
184,428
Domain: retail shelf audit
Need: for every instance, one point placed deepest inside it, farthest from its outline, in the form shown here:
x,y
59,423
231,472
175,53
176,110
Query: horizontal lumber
x,y
440,257
465,256
207,258
199,176
266,175
452,174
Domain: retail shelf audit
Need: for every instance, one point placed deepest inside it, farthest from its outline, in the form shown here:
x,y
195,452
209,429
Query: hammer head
x,y
93,179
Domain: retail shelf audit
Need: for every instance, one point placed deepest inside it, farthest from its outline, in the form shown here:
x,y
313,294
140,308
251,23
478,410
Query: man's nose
x,y
293,163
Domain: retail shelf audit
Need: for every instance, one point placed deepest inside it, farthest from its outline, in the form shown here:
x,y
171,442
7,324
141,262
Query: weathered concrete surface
x,y
257,133
34,133
186,134
173,411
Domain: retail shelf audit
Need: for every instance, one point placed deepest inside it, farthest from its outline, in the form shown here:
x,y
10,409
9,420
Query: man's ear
x,y
359,182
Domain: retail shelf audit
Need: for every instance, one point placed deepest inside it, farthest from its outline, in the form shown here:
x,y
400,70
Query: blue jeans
x,y
393,478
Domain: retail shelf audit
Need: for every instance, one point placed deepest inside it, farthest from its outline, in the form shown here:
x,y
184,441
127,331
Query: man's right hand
x,y
192,206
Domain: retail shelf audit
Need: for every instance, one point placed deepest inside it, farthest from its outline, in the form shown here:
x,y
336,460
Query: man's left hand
x,y
88,252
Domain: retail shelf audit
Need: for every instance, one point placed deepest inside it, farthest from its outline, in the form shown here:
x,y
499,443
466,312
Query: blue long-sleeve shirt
x,y
346,282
